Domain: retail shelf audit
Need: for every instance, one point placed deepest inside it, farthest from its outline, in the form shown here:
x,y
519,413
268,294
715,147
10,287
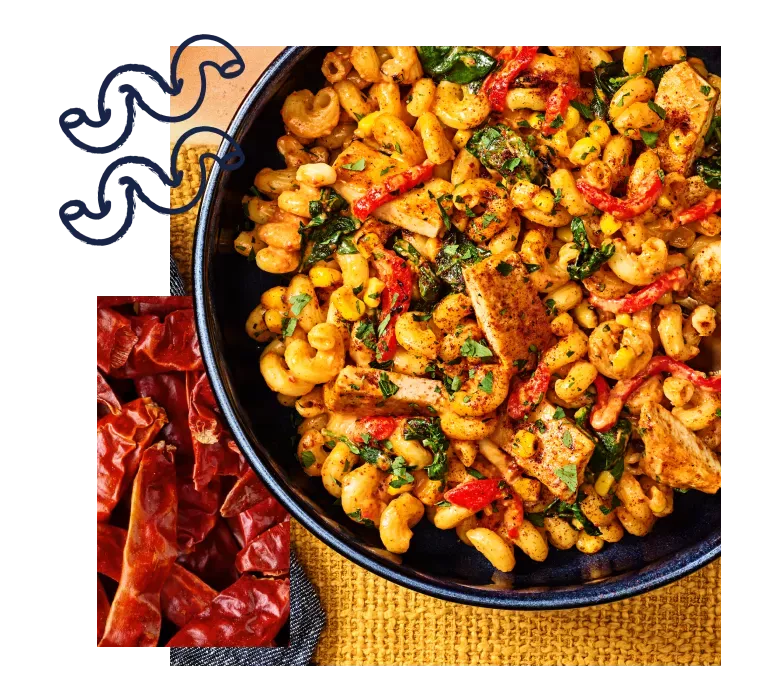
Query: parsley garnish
x,y
299,301
357,165
472,348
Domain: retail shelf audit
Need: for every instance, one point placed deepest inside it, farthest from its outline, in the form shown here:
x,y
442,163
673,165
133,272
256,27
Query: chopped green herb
x,y
288,326
650,138
476,474
357,165
473,348
568,475
487,383
559,414
660,111
308,458
386,386
299,301
504,268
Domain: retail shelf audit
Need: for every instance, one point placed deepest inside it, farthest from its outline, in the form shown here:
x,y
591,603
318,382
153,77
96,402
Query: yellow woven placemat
x,y
372,621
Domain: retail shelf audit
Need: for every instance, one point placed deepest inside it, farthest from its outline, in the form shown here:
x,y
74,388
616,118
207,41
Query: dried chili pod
x,y
106,396
171,390
115,339
144,305
103,606
256,520
197,509
121,440
269,553
214,558
183,595
249,613
246,492
149,554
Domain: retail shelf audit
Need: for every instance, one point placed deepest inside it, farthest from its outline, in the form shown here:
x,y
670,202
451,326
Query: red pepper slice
x,y
475,495
700,211
526,395
647,296
395,272
557,104
391,188
623,209
512,60
377,427
609,403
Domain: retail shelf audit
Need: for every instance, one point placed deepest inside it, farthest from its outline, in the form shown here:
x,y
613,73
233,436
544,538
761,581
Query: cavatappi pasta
x,y
498,264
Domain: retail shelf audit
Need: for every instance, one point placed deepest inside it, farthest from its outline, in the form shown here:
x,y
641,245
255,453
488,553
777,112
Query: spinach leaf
x,y
429,285
709,171
458,250
656,74
610,77
499,148
428,431
611,449
574,510
458,64
590,259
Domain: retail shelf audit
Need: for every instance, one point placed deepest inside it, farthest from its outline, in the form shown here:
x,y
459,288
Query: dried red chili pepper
x,y
255,520
512,61
115,339
183,595
214,454
526,395
121,440
395,272
103,606
106,396
376,427
675,279
149,552
623,209
246,492
700,211
391,188
171,390
197,515
609,402
557,104
475,495
249,613
163,346
269,553
214,558
147,305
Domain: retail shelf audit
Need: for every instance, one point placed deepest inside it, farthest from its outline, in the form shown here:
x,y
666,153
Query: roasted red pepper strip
x,y
214,558
269,553
183,595
210,441
121,441
623,209
249,613
475,495
609,403
115,339
256,520
512,60
103,607
163,346
526,395
557,104
395,272
376,427
106,396
675,279
246,492
700,211
390,188
149,553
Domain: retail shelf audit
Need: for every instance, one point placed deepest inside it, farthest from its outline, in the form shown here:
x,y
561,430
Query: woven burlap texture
x,y
373,622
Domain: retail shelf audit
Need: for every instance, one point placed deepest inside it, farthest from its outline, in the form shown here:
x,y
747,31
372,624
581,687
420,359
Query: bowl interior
x,y
228,287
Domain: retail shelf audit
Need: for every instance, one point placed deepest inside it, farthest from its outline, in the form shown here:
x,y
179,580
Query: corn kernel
x,y
536,120
273,320
624,320
350,308
623,359
665,203
585,151
609,224
604,483
524,444
572,118
367,243
321,276
366,124
274,298
374,288
680,142
544,201
563,233
598,130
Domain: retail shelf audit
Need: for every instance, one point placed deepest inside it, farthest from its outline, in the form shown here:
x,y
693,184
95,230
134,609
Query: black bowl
x,y
227,288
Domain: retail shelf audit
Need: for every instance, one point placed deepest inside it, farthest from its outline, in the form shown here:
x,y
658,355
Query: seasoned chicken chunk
x,y
674,455
561,444
689,102
416,210
507,307
358,390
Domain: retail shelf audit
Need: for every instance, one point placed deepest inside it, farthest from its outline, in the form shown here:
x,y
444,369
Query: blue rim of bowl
x,y
656,574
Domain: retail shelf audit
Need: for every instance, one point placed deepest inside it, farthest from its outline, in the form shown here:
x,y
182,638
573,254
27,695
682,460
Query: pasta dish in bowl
x,y
490,297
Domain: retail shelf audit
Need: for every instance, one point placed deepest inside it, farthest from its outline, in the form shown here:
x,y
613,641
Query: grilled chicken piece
x,y
674,455
416,210
553,453
681,93
358,390
507,307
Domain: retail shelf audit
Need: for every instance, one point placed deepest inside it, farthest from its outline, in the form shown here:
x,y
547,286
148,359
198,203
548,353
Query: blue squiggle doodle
x,y
74,118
